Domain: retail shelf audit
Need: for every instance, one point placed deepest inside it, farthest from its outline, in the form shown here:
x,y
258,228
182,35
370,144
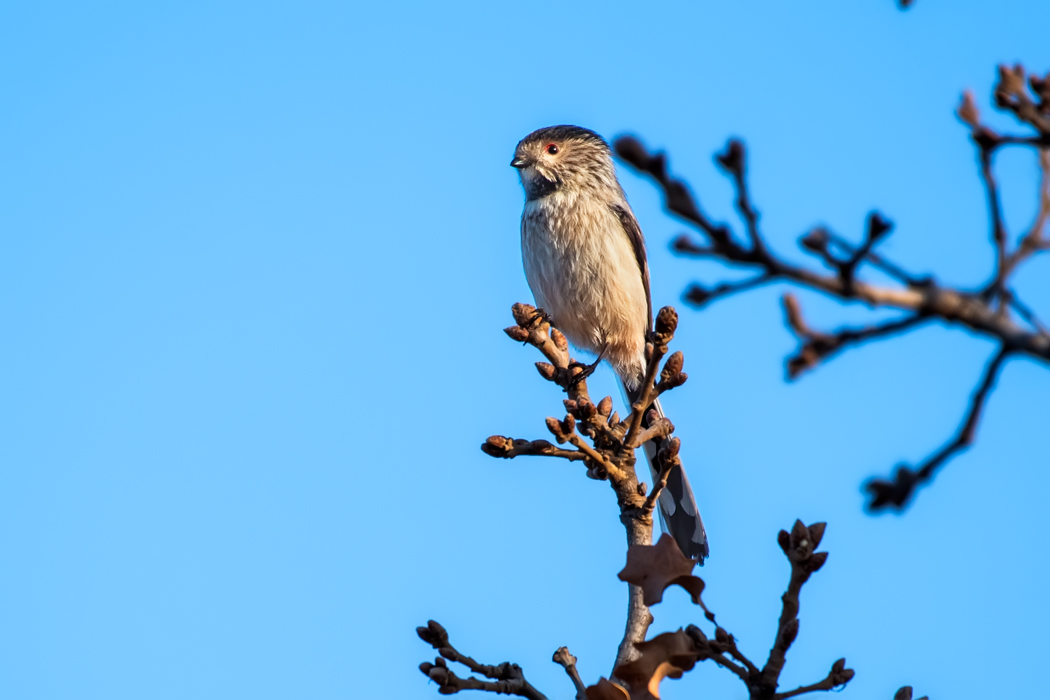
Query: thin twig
x,y
509,679
896,492
1033,241
566,660
818,347
950,305
697,296
994,310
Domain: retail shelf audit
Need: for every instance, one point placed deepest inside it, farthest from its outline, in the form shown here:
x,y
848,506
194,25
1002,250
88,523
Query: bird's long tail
x,y
679,516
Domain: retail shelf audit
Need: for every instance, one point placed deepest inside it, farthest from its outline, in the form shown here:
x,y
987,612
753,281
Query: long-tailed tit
x,y
584,258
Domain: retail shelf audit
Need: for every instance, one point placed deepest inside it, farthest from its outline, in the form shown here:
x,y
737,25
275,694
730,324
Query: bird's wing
x,y
634,235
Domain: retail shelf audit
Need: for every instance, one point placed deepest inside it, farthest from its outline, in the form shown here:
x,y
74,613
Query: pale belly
x,y
583,272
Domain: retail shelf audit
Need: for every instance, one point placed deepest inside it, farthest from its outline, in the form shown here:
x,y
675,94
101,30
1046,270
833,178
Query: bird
x,y
585,262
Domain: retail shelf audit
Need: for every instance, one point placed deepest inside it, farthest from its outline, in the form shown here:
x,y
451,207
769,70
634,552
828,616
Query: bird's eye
x,y
552,148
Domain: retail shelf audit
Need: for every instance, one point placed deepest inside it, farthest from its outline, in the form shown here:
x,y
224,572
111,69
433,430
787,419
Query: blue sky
x,y
255,263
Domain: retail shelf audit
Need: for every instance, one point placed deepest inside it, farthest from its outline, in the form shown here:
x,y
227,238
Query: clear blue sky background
x,y
254,267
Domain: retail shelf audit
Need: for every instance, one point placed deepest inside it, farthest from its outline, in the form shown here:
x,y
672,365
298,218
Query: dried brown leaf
x,y
606,690
655,567
667,655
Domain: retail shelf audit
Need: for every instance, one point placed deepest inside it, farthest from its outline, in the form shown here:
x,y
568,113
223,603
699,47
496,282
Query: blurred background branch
x,y
993,310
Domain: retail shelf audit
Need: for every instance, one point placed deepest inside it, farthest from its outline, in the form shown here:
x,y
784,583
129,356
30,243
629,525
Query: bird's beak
x,y
519,162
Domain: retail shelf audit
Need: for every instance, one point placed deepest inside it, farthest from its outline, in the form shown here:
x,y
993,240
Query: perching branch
x,y
993,310
605,445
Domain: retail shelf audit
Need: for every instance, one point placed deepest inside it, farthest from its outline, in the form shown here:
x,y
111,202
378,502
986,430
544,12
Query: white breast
x,y
583,272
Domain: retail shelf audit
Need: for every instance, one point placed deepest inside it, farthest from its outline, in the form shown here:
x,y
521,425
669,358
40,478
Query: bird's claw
x,y
588,370
540,316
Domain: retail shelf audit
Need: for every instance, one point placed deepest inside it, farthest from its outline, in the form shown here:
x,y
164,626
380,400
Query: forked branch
x,y
993,310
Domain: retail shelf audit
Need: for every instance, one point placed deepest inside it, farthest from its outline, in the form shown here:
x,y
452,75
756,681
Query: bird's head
x,y
558,157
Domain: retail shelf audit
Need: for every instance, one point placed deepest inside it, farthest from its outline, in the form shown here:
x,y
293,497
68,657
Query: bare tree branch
x,y
896,492
563,658
994,310
508,678
817,346
604,444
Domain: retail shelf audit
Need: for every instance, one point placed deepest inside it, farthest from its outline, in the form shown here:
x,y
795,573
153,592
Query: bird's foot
x,y
588,370
540,316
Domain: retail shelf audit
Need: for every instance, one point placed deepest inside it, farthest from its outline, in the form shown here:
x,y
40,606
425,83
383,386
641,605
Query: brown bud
x,y
434,634
721,635
523,313
438,631
1011,79
878,225
598,473
496,446
586,409
673,365
968,112
1041,87
563,657
666,320
816,533
696,634
799,534
554,425
816,561
605,406
669,450
546,370
784,540
672,375
816,240
438,674
838,666
559,339
732,159
697,294
517,333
